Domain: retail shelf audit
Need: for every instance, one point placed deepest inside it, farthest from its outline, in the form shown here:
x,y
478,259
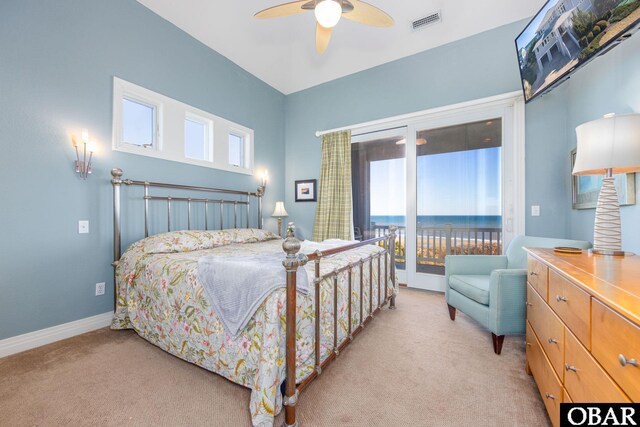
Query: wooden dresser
x,y
583,333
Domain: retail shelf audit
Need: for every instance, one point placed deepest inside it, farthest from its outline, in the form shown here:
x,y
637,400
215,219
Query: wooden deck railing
x,y
434,243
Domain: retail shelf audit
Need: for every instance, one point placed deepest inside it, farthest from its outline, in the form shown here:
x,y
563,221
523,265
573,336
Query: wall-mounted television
x,y
566,34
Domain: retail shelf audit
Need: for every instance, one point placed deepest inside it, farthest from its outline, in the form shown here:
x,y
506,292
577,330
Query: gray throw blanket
x,y
236,286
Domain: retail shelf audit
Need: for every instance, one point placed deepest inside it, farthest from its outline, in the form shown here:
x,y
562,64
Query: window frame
x,y
246,138
208,137
155,142
170,141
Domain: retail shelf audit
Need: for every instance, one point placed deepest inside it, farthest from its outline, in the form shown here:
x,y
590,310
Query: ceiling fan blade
x,y
323,36
285,9
367,14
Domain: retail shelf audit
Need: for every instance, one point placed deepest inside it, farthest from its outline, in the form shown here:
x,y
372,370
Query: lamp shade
x,y
612,142
279,211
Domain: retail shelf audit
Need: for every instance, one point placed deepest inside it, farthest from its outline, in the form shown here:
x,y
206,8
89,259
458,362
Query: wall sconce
x,y
263,184
83,167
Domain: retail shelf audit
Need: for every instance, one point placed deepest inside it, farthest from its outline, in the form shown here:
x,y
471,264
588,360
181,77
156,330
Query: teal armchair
x,y
492,289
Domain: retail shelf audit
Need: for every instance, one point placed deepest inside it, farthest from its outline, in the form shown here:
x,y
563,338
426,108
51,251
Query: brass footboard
x,y
293,261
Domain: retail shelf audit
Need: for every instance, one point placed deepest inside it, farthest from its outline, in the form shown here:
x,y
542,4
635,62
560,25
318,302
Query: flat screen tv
x,y
566,34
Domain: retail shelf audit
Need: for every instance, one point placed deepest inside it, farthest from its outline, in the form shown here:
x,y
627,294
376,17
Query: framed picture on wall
x,y
306,190
586,188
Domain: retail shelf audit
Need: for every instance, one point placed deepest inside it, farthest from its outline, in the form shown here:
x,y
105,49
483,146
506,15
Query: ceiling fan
x,y
328,13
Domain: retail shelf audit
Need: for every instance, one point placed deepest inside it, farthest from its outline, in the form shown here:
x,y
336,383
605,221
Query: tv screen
x,y
566,34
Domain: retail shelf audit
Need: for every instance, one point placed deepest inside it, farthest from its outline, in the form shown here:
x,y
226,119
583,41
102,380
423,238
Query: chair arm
x,y
473,264
507,296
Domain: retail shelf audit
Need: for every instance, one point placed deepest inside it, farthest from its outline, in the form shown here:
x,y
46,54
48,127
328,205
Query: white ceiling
x,y
281,51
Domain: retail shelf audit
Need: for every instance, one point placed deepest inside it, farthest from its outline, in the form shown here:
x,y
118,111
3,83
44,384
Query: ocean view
x,y
458,221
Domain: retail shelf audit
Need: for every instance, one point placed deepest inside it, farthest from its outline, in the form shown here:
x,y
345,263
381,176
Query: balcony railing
x,y
435,243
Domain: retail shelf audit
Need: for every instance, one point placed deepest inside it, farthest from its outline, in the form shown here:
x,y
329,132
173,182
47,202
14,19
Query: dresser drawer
x,y
584,379
615,337
572,305
537,276
566,398
548,384
548,328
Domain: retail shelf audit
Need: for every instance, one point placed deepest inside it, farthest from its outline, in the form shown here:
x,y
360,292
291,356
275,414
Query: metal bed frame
x,y
117,181
291,263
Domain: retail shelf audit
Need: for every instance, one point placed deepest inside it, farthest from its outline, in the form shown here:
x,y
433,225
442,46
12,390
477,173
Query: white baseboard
x,y
55,333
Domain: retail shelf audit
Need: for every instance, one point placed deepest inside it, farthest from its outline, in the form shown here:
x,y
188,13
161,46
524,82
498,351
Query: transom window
x,y
150,124
236,149
138,123
198,139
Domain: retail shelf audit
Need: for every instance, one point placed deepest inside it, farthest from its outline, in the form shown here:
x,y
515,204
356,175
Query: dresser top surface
x,y
613,280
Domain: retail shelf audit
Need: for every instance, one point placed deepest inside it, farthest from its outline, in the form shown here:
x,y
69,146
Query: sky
x,y
137,123
459,183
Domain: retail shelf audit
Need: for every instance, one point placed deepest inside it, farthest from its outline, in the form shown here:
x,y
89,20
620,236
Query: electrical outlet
x,y
83,227
535,210
100,288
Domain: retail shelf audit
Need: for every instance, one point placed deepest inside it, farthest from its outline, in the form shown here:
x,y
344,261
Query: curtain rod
x,y
319,133
391,121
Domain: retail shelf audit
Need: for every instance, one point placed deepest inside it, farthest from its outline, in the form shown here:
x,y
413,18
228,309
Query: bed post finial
x,y
291,246
116,173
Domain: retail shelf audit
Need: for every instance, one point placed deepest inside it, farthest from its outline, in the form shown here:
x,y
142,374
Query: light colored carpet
x,y
410,367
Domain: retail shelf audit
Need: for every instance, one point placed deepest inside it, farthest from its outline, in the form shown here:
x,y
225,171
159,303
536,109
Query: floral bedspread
x,y
161,298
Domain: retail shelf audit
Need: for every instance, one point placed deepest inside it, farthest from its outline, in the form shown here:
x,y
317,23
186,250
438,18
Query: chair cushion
x,y
475,287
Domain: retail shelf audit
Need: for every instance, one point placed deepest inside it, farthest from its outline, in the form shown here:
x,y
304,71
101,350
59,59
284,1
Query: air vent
x,y
430,19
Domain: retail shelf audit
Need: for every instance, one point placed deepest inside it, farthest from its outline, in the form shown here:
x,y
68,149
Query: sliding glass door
x,y
451,181
458,192
379,175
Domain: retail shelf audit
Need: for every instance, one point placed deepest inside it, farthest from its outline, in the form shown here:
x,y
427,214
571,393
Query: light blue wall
x,y
57,61
609,84
476,67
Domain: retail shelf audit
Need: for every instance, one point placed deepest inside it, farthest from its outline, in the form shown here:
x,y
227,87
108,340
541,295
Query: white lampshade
x,y
328,13
279,211
612,142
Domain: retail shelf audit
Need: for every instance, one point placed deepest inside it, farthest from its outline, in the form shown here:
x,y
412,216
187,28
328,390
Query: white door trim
x,y
511,110
508,106
405,119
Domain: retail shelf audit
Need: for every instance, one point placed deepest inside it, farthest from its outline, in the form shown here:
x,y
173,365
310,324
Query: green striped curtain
x,y
333,213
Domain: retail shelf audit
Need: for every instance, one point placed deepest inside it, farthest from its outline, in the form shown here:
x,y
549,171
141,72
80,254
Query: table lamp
x,y
608,146
279,212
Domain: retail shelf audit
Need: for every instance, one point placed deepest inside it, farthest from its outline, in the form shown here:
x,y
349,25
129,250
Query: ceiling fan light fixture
x,y
328,13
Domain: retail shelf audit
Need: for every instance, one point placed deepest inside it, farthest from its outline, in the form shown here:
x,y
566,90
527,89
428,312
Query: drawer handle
x,y
624,361
528,303
549,396
533,273
568,368
561,298
552,341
